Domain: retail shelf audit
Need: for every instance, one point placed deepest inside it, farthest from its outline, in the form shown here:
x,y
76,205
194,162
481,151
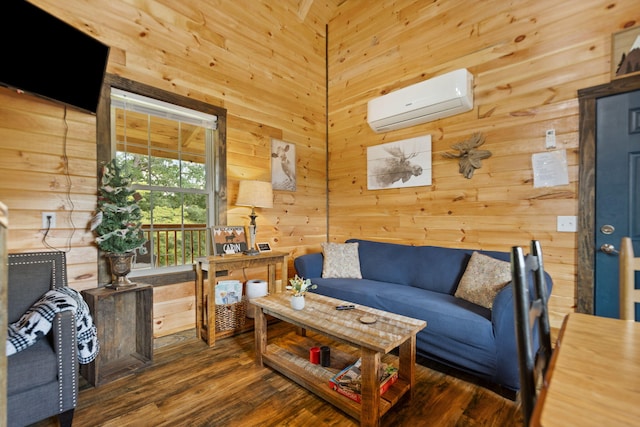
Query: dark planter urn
x,y
120,265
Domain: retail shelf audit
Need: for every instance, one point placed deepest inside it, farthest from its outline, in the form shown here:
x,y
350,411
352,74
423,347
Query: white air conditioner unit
x,y
432,99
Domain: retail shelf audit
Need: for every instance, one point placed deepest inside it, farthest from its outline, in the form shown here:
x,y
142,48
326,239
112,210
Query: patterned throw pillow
x,y
341,260
483,278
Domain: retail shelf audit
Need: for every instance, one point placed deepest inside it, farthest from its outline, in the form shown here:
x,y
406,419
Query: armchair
x,y
42,380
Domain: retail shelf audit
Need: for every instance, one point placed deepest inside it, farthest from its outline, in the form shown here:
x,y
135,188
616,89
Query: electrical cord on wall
x,y
65,161
46,233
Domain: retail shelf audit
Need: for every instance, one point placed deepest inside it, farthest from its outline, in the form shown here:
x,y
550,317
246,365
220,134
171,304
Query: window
x,y
176,154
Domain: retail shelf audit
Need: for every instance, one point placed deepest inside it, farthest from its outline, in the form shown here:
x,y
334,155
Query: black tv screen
x,y
45,56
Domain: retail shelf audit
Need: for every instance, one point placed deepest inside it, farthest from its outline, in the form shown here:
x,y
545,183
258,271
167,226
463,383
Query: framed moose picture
x,y
405,163
228,240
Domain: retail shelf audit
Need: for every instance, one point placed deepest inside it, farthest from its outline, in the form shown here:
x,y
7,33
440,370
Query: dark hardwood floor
x,y
191,384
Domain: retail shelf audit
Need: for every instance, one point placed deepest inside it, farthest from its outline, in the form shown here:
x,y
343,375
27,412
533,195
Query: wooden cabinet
x,y
205,295
124,322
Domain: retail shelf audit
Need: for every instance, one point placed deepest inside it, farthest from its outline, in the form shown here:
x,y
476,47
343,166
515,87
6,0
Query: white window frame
x,y
147,105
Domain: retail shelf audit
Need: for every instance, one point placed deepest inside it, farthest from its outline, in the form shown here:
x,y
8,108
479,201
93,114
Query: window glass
x,y
167,150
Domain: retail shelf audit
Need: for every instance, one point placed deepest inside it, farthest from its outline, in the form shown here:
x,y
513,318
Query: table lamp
x,y
257,194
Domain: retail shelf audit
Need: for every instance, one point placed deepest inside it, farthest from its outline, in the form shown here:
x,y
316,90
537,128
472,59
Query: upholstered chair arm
x,y
66,348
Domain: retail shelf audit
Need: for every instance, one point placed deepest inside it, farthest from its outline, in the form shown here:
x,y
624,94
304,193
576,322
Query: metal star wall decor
x,y
470,157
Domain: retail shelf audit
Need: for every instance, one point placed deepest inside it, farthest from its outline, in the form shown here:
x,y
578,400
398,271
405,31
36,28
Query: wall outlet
x,y
48,220
568,224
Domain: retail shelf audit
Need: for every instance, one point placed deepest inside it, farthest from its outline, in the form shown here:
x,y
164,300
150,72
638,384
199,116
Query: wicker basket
x,y
231,316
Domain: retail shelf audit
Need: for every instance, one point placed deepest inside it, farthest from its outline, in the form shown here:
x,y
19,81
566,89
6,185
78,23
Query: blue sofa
x,y
420,282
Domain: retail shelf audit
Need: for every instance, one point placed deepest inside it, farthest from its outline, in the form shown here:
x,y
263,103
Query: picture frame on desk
x,y
263,247
228,240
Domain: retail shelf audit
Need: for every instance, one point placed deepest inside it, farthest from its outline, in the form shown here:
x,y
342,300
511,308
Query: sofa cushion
x,y
360,291
387,262
483,278
438,269
341,260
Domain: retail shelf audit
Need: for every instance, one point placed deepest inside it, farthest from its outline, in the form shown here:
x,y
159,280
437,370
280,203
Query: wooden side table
x,y
205,295
124,322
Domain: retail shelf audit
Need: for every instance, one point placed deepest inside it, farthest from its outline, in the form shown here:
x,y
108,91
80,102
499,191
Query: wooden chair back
x,y
629,295
531,321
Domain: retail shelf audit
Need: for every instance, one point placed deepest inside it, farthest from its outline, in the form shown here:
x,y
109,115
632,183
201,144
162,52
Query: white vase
x,y
297,302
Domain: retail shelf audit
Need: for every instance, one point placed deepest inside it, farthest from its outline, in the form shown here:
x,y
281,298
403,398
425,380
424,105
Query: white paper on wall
x,y
550,169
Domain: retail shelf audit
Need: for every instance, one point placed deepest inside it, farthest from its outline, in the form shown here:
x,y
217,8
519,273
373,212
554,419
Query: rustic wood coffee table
x,y
320,315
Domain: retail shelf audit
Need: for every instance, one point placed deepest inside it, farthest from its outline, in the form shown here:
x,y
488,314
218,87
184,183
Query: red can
x,y
314,355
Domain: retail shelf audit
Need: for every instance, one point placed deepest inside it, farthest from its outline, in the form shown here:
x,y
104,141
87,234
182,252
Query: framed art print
x,y
283,165
625,53
228,240
405,163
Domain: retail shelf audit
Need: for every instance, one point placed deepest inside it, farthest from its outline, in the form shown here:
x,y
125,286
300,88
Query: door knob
x,y
608,248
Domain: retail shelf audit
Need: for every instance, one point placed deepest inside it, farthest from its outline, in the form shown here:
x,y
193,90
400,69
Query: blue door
x,y
617,192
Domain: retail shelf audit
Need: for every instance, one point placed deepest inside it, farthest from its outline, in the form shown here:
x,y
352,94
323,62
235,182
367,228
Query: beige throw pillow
x,y
341,260
483,278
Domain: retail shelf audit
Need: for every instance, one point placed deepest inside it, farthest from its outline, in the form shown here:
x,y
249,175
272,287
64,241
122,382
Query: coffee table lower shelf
x,y
315,378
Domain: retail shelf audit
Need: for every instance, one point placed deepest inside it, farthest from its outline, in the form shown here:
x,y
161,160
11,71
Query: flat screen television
x,y
42,55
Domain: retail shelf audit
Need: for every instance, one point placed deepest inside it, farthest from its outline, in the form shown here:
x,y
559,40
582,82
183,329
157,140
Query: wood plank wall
x,y
265,62
529,58
48,164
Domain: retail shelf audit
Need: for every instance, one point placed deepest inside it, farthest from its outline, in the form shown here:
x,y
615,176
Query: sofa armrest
x,y
504,329
309,265
502,318
65,345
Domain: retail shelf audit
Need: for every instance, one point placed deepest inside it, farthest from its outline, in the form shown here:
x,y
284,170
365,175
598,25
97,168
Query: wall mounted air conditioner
x,y
432,99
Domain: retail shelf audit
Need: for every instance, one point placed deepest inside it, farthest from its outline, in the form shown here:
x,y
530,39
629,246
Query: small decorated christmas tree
x,y
118,221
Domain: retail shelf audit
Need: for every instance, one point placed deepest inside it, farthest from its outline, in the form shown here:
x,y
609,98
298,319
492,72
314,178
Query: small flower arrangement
x,y
299,286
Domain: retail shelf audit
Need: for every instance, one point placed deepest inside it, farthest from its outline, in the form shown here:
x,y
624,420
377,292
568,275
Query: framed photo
x,y
283,165
405,163
228,240
264,247
625,53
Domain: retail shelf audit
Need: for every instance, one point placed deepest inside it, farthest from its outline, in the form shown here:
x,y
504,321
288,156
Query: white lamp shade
x,y
257,194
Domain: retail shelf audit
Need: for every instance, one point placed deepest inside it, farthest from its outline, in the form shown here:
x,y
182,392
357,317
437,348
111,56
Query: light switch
x,y
568,223
551,138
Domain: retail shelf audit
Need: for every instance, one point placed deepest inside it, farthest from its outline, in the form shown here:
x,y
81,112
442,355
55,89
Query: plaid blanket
x,y
37,322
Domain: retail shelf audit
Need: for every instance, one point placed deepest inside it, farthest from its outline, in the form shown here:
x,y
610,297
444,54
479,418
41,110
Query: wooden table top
x,y
594,376
240,260
320,314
